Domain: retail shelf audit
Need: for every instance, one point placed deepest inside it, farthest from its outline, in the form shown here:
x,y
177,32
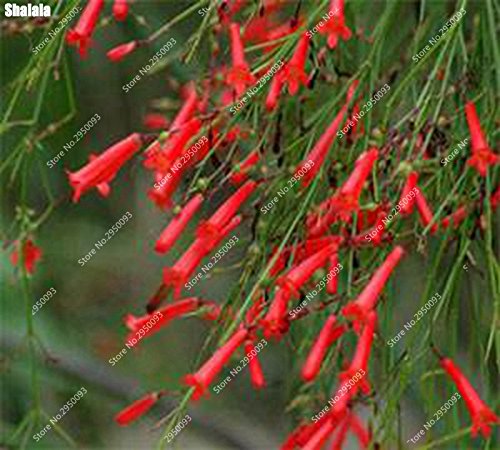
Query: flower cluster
x,y
347,212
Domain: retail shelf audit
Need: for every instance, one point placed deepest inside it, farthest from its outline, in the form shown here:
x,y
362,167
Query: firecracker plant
x,y
321,137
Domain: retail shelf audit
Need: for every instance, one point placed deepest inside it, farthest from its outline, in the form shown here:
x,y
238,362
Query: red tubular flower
x,y
120,9
331,285
240,173
410,184
230,226
164,187
327,336
303,433
239,77
177,225
274,91
482,416
362,168
367,300
210,228
361,356
369,217
378,229
299,275
360,431
482,156
177,275
455,219
118,53
275,323
202,379
175,147
166,314
495,198
31,255
335,27
102,169
425,211
319,438
295,74
169,312
320,150
137,409
346,201
280,262
256,374
312,246
81,34
154,121
340,436
188,108
162,157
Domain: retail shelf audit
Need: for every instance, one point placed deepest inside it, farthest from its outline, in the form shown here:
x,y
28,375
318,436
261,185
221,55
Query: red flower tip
x,y
162,157
256,374
80,35
239,75
410,184
213,310
331,285
295,74
319,438
482,156
118,53
188,108
495,198
164,316
212,227
328,334
481,159
31,255
360,309
137,409
240,173
174,229
274,92
455,219
202,379
120,9
362,168
357,427
102,169
346,201
177,275
361,356
155,121
476,133
482,416
300,274
164,188
276,323
425,211
320,150
335,27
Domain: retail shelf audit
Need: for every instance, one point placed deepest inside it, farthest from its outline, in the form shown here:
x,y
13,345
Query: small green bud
x,y
202,183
